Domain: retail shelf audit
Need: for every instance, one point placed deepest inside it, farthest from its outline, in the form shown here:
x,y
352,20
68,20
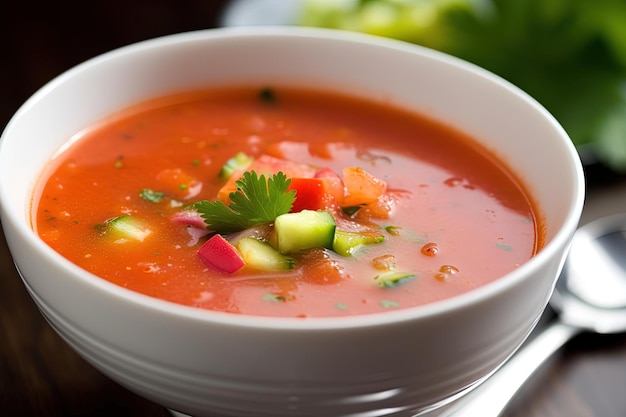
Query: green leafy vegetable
x,y
570,55
257,200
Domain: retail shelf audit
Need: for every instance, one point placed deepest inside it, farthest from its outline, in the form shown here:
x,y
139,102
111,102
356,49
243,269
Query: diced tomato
x,y
267,165
319,268
361,187
333,184
287,149
309,194
218,253
379,209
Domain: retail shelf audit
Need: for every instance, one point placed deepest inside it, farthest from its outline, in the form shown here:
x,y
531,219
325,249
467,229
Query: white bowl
x,y
207,363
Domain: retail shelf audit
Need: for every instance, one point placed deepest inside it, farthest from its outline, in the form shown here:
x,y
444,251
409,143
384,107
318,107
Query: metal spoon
x,y
590,295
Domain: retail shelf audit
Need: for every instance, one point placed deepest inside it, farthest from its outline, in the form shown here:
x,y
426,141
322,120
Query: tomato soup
x,y
284,202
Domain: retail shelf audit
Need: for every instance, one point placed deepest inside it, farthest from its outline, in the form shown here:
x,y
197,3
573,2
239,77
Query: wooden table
x,y
41,376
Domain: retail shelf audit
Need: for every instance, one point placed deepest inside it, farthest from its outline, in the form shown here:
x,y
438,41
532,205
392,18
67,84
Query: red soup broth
x,y
456,217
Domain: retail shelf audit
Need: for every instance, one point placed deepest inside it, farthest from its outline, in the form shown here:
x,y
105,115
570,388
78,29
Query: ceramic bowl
x,y
201,363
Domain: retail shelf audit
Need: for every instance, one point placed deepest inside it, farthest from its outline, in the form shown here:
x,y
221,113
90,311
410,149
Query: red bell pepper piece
x,y
309,194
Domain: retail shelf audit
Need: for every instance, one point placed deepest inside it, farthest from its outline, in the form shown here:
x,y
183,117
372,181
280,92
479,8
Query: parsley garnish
x,y
256,201
151,195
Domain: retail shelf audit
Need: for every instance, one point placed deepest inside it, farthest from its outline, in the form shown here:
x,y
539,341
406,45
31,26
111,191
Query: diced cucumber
x,y
305,229
347,243
260,255
124,228
393,278
237,163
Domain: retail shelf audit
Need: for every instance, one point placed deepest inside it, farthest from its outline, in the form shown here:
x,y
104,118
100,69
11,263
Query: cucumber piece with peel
x,y
124,228
303,230
261,256
348,243
238,162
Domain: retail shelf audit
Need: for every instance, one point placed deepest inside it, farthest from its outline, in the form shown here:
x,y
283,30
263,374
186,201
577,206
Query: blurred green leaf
x,y
570,55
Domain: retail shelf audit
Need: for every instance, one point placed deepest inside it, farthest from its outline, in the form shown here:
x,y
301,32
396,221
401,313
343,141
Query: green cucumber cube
x,y
305,229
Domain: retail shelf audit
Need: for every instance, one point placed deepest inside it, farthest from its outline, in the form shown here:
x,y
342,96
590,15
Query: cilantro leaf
x,y
257,200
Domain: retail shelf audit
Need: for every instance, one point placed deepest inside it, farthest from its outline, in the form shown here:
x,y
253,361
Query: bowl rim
x,y
449,305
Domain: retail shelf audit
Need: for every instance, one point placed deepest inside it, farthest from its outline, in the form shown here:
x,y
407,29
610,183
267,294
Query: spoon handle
x,y
490,398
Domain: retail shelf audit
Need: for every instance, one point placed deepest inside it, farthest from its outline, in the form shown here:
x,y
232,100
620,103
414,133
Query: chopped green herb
x,y
411,235
118,164
389,304
183,187
151,195
505,247
256,201
341,306
351,210
393,230
195,162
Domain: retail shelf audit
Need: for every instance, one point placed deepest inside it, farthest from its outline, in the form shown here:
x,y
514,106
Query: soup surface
x,y
362,207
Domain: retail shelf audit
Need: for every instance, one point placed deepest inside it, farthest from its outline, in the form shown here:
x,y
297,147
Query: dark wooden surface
x,y
41,376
